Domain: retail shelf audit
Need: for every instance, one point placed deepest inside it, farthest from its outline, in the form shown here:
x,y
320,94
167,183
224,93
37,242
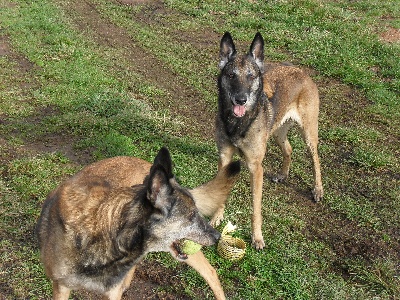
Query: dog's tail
x,y
211,196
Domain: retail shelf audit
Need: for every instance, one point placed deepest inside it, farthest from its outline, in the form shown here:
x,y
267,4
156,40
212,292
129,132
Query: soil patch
x,y
392,35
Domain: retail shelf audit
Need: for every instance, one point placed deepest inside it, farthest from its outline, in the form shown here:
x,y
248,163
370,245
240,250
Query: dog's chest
x,y
255,134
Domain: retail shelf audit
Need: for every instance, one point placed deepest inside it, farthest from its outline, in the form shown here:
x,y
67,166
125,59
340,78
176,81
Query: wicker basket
x,y
231,248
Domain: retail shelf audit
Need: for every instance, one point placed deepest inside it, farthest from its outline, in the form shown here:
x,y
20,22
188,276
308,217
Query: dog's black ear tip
x,y
163,155
227,36
163,158
163,149
259,36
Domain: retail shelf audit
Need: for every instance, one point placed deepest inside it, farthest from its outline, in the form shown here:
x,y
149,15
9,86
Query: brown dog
x,y
98,225
255,102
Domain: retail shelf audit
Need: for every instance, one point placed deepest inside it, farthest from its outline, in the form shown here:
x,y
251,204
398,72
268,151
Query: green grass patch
x,y
34,177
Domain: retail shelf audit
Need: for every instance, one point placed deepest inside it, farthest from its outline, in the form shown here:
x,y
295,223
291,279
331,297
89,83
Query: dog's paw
x,y
258,244
278,178
216,220
318,194
218,217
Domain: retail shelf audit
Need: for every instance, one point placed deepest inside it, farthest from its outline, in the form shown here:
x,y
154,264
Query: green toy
x,y
189,247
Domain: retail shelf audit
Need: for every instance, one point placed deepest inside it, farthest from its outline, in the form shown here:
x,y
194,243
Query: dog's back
x,y
117,171
289,91
125,171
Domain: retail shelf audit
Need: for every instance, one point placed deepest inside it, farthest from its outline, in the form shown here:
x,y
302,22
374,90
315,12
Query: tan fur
x,y
291,97
79,203
208,197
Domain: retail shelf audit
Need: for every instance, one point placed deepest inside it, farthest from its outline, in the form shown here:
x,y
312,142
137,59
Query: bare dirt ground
x,y
345,237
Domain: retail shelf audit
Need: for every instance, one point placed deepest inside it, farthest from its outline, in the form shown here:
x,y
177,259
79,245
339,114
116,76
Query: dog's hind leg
x,y
218,216
312,143
311,138
60,292
280,136
309,126
200,263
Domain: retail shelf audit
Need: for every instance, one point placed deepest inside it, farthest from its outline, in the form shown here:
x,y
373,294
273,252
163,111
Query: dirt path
x,y
182,100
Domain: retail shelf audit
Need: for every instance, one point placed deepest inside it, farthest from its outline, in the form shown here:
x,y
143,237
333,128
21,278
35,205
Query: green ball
x,y
189,247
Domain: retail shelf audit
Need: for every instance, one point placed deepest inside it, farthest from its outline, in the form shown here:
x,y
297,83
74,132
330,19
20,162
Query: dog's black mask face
x,y
240,81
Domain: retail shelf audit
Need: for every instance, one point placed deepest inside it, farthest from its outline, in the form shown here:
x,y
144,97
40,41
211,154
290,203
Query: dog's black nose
x,y
241,101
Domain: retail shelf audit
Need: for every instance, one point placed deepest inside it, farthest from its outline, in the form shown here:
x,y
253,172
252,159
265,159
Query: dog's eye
x,y
251,76
231,75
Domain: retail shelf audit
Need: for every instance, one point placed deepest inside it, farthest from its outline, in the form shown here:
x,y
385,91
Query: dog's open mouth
x,y
239,110
177,250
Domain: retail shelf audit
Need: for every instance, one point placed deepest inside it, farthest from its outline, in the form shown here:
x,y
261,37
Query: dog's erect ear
x,y
163,158
257,50
227,50
159,189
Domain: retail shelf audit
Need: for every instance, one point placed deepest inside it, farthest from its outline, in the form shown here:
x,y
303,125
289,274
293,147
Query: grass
x,y
73,89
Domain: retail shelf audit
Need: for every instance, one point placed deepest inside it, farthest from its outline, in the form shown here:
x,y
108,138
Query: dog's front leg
x,y
256,183
200,263
60,292
116,292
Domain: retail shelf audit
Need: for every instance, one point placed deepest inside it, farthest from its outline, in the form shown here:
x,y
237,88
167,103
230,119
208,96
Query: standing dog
x,y
255,102
97,226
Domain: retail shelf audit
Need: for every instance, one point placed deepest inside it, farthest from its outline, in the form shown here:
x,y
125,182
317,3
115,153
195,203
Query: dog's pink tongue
x,y
239,110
